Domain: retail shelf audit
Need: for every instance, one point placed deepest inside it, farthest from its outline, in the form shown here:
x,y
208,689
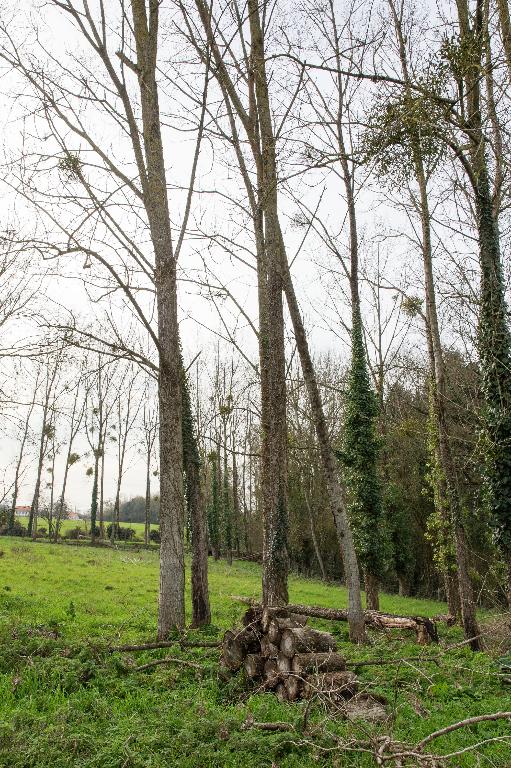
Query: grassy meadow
x,y
66,701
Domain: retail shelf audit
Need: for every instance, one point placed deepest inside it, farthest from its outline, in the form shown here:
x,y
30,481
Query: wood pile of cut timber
x,y
280,652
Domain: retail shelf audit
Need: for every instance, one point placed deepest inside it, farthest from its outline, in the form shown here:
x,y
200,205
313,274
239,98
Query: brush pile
x,y
281,653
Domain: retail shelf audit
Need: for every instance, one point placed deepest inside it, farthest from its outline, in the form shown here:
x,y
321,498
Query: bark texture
x,y
171,609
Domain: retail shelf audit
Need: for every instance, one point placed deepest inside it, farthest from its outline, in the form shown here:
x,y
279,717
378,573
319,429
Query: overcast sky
x,y
319,279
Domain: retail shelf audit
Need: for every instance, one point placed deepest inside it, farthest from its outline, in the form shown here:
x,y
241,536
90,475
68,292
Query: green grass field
x,y
66,701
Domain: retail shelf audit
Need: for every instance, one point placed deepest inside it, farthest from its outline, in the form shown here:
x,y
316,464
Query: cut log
x,y
283,664
271,673
281,693
279,623
311,663
236,645
254,665
305,640
293,687
268,649
274,632
334,684
252,618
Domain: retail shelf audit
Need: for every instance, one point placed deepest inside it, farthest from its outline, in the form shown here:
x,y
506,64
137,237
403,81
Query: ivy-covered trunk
x,y
360,458
494,337
201,612
449,529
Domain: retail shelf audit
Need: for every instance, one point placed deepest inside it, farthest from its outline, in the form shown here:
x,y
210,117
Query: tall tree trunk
x,y
114,533
271,343
449,505
171,610
505,31
494,337
34,507
12,513
226,505
372,588
147,507
315,543
201,611
102,496
330,467
94,497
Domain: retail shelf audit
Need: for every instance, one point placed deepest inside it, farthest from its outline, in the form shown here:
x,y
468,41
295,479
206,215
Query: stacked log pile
x,y
281,653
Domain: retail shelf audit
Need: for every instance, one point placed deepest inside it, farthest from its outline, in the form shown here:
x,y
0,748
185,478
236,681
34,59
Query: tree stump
x,y
305,640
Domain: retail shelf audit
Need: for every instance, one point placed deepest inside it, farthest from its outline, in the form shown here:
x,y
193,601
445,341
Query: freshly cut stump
x,y
236,645
293,687
333,684
305,640
271,673
283,664
254,665
268,649
310,663
274,632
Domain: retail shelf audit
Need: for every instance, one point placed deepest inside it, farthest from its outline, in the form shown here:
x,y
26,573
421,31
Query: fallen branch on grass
x,y
164,644
463,724
381,662
166,660
424,627
272,727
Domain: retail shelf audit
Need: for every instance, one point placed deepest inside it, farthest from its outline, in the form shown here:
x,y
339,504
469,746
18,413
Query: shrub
x,y
73,533
17,530
155,536
123,534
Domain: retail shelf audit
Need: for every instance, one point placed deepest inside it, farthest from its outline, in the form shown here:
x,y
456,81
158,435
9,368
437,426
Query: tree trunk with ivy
x,y
449,530
201,612
360,458
494,337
